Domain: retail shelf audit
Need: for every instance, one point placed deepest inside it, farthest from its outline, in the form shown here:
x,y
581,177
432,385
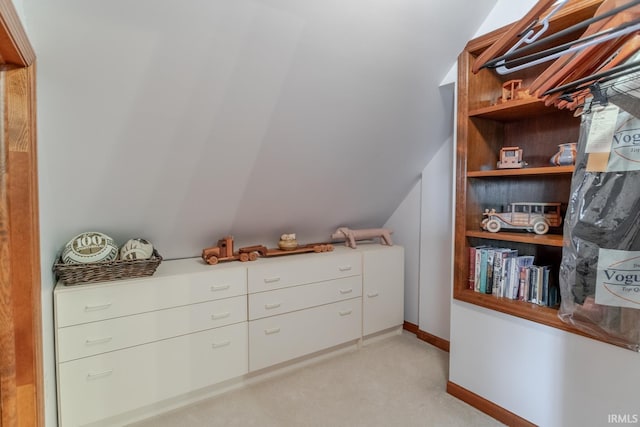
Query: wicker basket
x,y
74,274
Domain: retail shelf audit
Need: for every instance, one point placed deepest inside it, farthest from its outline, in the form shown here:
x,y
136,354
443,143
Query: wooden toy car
x,y
511,158
536,217
224,251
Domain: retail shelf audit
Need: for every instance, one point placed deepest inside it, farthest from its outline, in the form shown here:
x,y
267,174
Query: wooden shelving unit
x,y
484,126
551,170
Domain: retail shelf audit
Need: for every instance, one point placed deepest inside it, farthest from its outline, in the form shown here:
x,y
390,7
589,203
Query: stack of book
x,y
504,273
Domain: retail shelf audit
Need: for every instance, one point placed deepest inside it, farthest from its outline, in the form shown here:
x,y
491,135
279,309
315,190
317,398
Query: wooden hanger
x,y
515,58
610,55
580,64
513,35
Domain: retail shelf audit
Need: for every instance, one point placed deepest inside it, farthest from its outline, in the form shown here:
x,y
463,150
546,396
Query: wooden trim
x,y
486,406
441,343
8,392
14,43
410,327
19,90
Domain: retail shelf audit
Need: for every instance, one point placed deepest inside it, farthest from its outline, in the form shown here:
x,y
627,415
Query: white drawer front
x,y
101,386
280,338
303,269
383,294
270,303
77,305
98,337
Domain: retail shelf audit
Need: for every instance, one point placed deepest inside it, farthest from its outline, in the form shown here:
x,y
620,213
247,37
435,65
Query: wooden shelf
x,y
513,110
525,310
531,238
545,315
545,170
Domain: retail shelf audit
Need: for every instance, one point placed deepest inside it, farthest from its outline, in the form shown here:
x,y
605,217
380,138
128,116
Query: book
x,y
517,284
525,276
535,285
498,255
478,267
545,285
472,268
488,286
505,283
482,288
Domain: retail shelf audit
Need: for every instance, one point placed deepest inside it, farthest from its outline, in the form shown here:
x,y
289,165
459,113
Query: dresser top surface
x,y
174,267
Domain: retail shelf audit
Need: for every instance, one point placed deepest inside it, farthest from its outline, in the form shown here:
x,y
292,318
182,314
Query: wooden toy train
x,y
224,251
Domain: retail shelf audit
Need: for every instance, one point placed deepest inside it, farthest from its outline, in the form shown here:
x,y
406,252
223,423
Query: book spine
x,y
483,271
478,269
489,266
472,268
533,285
497,272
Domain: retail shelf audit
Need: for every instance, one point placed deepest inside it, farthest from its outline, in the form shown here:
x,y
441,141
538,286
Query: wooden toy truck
x,y
224,251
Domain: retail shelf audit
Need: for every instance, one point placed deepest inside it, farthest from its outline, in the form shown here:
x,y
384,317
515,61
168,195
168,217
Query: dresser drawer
x,y
88,303
98,337
280,338
308,269
270,303
102,386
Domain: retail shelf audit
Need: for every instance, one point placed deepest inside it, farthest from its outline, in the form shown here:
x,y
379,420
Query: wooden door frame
x,y
21,376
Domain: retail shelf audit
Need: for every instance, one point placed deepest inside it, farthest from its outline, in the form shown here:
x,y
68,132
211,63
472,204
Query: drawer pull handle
x,y
271,331
271,306
346,291
220,344
345,268
216,288
271,279
98,341
373,294
91,376
220,315
345,312
97,307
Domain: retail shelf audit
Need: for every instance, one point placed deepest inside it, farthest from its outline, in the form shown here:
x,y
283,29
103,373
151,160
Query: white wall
x,y
436,243
405,223
547,376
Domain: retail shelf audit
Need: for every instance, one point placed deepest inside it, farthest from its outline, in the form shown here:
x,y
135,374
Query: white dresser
x,y
130,344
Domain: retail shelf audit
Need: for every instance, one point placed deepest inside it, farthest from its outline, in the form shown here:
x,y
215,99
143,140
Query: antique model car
x,y
536,217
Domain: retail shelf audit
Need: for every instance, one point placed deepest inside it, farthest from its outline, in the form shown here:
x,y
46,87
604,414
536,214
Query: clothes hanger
x,y
587,65
626,51
560,70
607,9
583,47
612,73
604,10
525,25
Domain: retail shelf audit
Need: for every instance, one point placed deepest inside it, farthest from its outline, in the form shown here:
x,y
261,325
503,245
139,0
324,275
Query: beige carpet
x,y
396,381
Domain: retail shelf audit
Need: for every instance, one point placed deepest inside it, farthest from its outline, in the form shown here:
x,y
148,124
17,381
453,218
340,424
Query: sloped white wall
x,y
185,121
550,377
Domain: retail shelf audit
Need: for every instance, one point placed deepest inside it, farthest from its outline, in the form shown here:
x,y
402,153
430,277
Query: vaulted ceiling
x,y
184,121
